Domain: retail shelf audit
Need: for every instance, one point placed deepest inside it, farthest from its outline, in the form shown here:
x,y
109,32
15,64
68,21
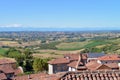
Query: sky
x,y
85,14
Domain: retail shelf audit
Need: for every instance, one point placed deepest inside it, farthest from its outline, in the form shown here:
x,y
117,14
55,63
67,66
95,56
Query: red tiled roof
x,y
7,69
88,75
59,61
112,65
94,65
73,64
3,76
110,57
67,58
40,76
72,56
48,77
7,61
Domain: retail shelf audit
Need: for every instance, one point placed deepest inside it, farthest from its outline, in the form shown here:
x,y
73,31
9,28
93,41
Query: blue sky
x,y
60,13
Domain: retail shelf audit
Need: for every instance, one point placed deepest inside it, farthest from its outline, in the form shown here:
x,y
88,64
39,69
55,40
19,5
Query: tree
x,y
40,64
14,53
28,62
37,65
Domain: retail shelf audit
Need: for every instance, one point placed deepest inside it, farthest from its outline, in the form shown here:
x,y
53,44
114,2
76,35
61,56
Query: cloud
x,y
12,25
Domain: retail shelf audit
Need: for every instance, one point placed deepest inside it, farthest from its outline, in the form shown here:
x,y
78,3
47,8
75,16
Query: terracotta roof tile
x,y
7,60
73,64
94,65
39,76
3,76
112,65
7,69
110,57
72,56
59,61
104,75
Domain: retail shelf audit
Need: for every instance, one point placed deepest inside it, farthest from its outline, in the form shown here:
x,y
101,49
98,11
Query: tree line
x,y
26,60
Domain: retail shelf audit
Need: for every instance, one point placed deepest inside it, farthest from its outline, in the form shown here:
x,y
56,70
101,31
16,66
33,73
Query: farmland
x,y
3,51
72,46
55,44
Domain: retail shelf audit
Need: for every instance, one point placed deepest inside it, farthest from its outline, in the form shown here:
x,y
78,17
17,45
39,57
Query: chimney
x,y
28,76
79,59
119,65
67,57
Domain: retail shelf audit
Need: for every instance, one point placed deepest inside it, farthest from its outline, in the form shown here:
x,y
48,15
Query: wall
x,y
50,69
60,68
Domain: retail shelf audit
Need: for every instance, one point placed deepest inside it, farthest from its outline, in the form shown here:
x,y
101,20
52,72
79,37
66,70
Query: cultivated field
x,y
3,50
9,43
72,45
54,53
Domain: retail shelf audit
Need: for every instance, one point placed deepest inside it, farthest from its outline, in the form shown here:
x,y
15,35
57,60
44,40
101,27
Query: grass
x,y
53,53
95,43
72,45
3,51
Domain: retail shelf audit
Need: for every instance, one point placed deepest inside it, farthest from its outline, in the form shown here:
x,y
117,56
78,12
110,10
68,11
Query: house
x,y
111,58
8,68
58,65
70,62
82,62
110,61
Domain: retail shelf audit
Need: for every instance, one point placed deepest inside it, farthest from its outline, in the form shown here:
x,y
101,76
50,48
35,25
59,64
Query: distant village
x,y
82,66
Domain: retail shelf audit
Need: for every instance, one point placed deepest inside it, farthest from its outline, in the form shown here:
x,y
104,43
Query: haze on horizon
x,y
79,14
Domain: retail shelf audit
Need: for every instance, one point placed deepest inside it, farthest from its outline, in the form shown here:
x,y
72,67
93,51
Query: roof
x,y
73,64
95,55
89,75
110,57
72,56
59,61
3,76
39,76
68,58
7,60
112,65
7,69
94,65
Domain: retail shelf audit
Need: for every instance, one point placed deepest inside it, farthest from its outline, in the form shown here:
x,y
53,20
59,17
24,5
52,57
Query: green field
x,y
86,44
72,45
3,51
96,43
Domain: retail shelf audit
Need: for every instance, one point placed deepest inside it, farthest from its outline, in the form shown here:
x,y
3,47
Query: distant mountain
x,y
53,29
